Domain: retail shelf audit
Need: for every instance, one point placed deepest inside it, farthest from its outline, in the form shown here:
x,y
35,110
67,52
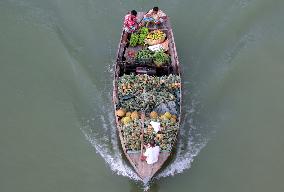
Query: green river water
x,y
57,129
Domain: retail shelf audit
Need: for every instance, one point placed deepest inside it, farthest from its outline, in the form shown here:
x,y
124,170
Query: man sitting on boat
x,y
155,16
130,24
152,153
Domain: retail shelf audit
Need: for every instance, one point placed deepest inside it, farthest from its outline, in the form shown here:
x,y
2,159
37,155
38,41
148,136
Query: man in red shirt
x,y
130,24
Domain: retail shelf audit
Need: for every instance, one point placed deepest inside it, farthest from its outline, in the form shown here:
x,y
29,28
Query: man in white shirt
x,y
155,16
152,153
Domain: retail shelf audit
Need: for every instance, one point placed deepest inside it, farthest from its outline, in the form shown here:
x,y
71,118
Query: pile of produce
x,y
131,129
136,92
143,32
139,37
134,39
160,58
130,55
131,135
144,54
155,37
131,126
167,136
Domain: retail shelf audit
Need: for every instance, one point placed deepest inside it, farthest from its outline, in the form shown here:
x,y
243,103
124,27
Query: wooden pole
x,y
142,129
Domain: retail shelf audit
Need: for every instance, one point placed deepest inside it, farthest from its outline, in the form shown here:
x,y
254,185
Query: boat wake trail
x,y
106,144
190,143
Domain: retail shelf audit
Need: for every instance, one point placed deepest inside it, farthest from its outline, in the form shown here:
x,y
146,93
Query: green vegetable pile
x,y
144,54
134,39
160,58
139,37
143,32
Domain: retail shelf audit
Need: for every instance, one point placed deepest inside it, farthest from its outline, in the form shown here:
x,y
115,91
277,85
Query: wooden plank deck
x,y
145,170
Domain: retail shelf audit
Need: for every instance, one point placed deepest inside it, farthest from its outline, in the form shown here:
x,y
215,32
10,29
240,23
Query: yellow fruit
x,y
120,112
159,136
174,120
154,115
168,115
126,120
128,114
174,116
163,117
134,115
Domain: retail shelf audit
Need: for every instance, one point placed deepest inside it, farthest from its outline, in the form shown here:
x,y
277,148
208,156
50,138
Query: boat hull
x,y
144,170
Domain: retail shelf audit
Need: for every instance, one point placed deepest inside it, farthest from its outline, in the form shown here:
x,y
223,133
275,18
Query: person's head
x,y
133,12
155,10
152,143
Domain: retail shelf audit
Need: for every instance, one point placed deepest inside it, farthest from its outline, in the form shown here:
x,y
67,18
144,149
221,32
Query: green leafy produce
x,y
144,54
138,38
141,40
134,39
160,58
144,30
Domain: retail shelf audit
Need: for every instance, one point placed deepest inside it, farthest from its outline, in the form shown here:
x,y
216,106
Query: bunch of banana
x,y
155,35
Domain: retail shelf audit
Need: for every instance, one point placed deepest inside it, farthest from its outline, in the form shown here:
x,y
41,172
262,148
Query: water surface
x,y
56,119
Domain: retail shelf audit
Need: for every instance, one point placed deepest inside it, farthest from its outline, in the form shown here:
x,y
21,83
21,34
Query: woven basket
x,y
155,42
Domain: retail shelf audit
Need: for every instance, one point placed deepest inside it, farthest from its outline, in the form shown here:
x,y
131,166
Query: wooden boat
x,y
144,170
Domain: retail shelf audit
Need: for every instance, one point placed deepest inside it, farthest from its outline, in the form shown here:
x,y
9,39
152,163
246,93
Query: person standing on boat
x,y
155,16
130,24
152,153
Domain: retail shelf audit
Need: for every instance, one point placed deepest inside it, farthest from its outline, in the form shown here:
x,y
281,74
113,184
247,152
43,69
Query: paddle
x,y
142,135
